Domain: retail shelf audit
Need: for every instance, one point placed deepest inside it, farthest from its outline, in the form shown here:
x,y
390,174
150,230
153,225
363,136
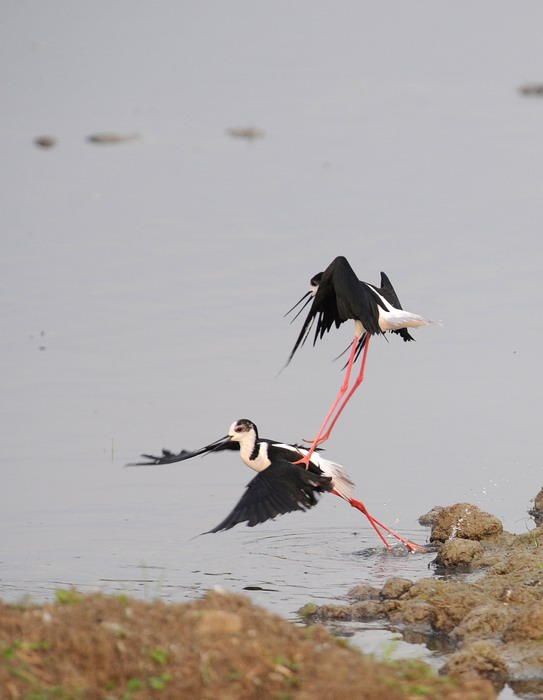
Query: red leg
x,y
362,508
316,442
323,437
357,383
368,516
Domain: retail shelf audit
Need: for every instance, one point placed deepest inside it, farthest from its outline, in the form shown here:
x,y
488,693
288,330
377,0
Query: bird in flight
x,y
281,484
337,295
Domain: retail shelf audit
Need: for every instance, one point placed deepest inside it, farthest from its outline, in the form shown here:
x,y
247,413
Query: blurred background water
x,y
143,284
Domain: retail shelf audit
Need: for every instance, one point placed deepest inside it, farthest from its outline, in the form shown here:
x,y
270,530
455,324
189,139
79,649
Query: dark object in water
x,y
531,90
111,137
45,141
245,132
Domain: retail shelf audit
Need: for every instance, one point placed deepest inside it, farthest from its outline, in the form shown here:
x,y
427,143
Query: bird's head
x,y
242,429
308,296
314,283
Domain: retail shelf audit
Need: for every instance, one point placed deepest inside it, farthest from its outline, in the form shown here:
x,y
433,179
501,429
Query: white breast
x,y
261,461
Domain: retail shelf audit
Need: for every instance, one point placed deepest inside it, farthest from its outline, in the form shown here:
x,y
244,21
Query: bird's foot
x,y
304,460
316,442
414,547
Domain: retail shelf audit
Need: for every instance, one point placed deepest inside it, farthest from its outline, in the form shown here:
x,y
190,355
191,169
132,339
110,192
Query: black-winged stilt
x,y
281,485
337,295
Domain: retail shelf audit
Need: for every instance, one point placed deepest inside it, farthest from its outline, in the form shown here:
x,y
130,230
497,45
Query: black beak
x,y
220,444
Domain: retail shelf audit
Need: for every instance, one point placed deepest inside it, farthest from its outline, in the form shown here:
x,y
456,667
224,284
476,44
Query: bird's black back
x,y
351,297
277,452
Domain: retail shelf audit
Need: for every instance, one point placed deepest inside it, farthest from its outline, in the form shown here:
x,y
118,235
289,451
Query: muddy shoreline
x,y
484,599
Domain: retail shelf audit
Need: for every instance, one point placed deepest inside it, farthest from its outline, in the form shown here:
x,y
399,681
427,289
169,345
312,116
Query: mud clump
x,y
537,511
464,521
222,646
480,659
458,553
494,621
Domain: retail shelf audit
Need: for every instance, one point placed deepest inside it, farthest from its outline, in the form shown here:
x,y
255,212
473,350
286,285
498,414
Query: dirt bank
x,y
487,603
114,648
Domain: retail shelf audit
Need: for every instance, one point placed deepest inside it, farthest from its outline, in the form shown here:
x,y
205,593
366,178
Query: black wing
x,y
359,347
309,319
345,297
353,299
326,304
281,488
340,296
388,291
168,457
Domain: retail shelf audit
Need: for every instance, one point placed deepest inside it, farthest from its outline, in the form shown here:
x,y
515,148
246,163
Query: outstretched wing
x,y
281,488
168,457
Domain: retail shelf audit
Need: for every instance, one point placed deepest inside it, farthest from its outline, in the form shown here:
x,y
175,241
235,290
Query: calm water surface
x,y
143,285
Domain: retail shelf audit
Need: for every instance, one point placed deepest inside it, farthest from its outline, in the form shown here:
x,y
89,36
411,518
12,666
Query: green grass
x,y
160,656
68,596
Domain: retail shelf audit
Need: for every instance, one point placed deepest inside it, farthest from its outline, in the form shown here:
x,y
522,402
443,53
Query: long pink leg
x,y
412,546
358,381
321,435
368,516
344,387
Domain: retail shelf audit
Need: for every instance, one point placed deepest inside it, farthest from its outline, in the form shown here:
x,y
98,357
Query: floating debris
x,y
531,90
111,137
246,132
45,141
42,335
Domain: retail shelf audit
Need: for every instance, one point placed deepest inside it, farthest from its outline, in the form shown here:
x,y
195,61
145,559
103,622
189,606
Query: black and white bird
x,y
281,485
337,295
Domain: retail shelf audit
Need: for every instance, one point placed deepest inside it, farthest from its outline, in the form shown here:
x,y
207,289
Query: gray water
x,y
144,284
